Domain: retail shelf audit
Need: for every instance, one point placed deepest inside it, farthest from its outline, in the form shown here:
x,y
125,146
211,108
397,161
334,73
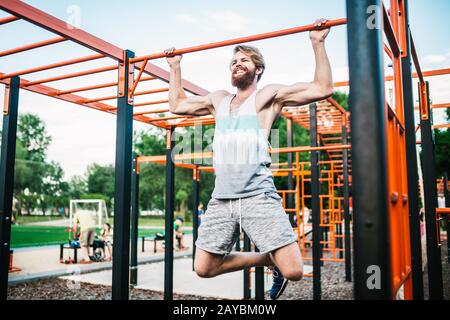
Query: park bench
x,y
154,239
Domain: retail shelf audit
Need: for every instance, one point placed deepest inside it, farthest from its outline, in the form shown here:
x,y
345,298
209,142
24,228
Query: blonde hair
x,y
255,55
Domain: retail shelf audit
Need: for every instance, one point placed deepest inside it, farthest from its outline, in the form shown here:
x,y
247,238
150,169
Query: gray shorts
x,y
262,218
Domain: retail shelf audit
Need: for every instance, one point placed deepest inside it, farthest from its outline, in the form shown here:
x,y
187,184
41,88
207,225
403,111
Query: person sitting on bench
x,y
178,232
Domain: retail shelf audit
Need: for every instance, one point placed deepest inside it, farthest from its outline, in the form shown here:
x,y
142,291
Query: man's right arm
x,y
181,104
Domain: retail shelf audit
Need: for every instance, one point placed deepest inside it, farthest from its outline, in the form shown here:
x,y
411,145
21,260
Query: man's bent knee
x,y
204,271
293,274
207,264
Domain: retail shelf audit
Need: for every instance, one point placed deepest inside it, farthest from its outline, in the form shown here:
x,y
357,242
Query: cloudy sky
x,y
82,136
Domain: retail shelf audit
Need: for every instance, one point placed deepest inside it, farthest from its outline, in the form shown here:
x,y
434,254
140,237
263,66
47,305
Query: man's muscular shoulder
x,y
217,97
266,96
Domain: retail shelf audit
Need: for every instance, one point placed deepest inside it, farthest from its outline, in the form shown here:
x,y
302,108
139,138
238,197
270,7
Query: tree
x,y
33,136
38,183
77,187
100,180
442,149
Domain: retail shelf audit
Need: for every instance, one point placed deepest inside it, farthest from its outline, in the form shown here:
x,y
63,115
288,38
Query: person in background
x,y
178,232
200,213
106,235
84,220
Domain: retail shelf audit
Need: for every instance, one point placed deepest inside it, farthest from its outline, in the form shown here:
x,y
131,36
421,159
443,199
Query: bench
x,y
67,246
155,239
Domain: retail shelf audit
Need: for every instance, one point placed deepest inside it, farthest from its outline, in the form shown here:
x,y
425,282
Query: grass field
x,y
30,236
23,220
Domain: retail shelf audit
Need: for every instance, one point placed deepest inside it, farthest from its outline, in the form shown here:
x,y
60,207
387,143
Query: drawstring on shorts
x,y
240,213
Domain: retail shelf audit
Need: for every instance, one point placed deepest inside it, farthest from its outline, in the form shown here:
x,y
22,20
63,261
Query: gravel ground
x,y
333,288
445,274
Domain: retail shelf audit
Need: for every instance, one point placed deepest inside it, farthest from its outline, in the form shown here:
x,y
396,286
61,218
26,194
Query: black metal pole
x,y
122,196
247,279
195,203
315,204
169,216
411,166
290,196
259,281
369,161
429,185
8,158
347,241
447,221
134,223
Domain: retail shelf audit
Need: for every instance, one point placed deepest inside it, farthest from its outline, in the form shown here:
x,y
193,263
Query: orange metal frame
x,y
329,127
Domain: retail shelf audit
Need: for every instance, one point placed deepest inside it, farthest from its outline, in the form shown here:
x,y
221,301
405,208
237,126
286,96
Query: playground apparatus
x,y
384,173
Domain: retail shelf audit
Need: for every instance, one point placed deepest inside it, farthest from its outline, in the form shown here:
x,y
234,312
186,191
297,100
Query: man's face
x,y
243,71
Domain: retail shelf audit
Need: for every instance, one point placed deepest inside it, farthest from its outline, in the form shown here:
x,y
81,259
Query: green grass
x,y
157,222
31,219
30,236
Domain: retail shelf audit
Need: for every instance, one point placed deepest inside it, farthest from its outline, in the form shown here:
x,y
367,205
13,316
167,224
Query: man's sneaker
x,y
279,284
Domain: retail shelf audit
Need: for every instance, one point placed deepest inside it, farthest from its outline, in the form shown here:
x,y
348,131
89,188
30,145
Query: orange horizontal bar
x,y
436,106
443,210
99,86
429,73
8,19
168,118
150,103
195,122
136,94
309,27
53,65
151,91
32,46
441,126
72,75
151,111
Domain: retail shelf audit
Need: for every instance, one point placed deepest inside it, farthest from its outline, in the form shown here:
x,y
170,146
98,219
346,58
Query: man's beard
x,y
244,80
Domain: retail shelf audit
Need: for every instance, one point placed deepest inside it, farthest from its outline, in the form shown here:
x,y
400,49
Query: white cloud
x,y
434,58
216,21
185,18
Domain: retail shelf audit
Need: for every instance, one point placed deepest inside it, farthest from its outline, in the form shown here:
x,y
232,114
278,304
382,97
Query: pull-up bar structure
x,y
383,145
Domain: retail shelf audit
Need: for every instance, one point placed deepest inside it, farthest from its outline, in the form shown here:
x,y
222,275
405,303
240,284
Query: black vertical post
x,y
290,196
347,241
369,161
315,204
134,223
195,203
429,185
259,281
247,290
169,216
8,158
447,221
122,196
411,166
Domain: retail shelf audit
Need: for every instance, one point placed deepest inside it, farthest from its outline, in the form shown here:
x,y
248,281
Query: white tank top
x,y
241,152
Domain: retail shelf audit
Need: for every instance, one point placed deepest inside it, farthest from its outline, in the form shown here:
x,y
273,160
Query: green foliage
x,y
341,98
442,152
38,183
100,180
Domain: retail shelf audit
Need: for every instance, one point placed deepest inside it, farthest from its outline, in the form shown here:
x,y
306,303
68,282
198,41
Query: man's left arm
x,y
320,88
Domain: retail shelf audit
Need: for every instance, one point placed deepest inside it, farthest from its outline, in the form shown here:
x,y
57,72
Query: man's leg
x,y
289,260
208,265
